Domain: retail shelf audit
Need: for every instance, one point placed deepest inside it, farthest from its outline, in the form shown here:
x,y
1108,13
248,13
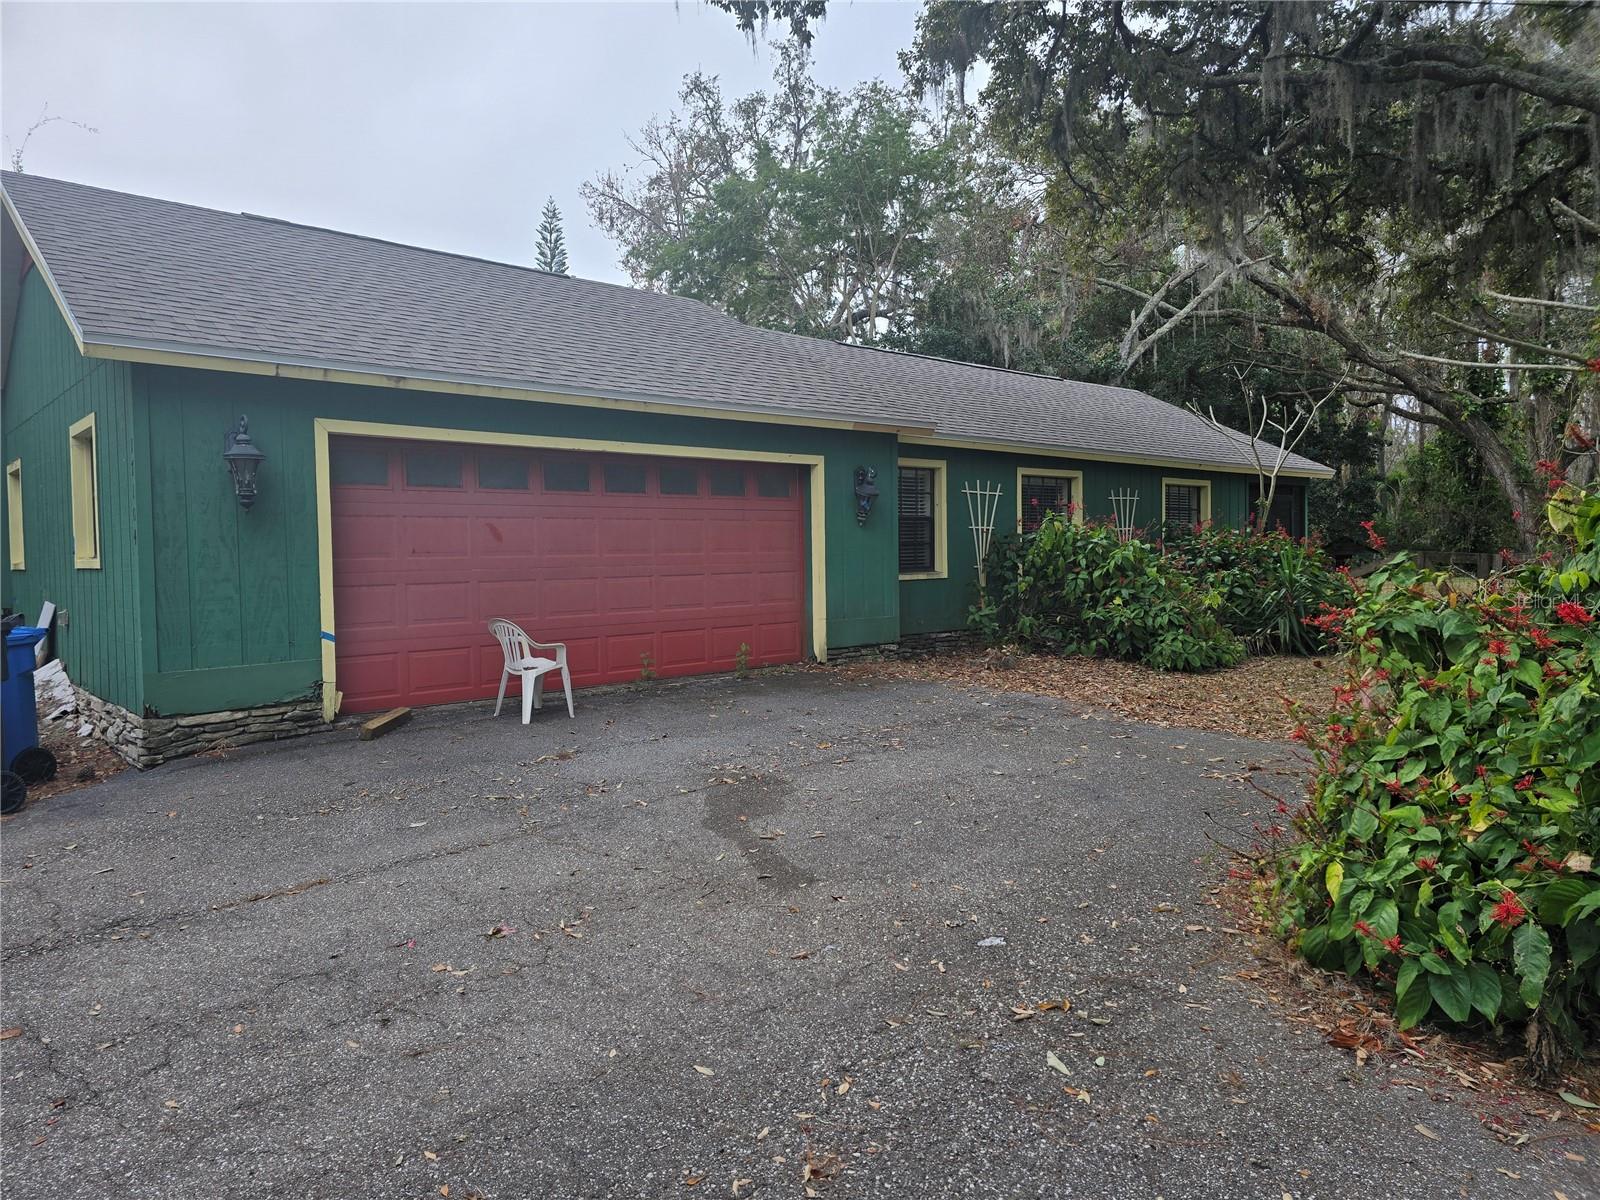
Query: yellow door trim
x,y
324,428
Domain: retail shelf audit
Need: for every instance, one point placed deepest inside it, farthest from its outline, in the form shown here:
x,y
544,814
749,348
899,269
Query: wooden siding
x,y
48,387
235,618
936,605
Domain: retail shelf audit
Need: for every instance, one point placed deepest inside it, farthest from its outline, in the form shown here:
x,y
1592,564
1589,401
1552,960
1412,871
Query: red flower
x,y
1427,864
1541,640
1509,912
1524,783
1374,538
1396,788
1498,647
1481,770
1392,945
1573,613
1365,930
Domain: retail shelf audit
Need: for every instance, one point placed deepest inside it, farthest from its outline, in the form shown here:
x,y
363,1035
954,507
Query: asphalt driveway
x,y
753,937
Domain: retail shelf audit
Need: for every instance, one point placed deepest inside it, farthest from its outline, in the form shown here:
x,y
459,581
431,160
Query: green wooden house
x,y
446,440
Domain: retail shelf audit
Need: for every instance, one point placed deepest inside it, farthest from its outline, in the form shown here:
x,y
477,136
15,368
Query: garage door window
x,y
624,478
679,481
566,475
360,466
428,467
773,483
503,472
727,481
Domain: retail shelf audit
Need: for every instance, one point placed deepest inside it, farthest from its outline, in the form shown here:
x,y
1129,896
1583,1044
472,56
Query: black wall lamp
x,y
866,492
243,460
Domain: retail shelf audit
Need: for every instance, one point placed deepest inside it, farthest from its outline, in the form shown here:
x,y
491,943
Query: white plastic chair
x,y
531,668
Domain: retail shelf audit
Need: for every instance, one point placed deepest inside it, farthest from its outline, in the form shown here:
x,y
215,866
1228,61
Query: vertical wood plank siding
x,y
936,605
49,385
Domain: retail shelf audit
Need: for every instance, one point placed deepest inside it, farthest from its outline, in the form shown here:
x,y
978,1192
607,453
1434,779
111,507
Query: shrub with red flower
x,y
1570,612
1375,540
1463,754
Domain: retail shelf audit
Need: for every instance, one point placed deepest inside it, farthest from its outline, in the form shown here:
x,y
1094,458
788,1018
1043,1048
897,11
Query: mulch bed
x,y
80,761
1249,700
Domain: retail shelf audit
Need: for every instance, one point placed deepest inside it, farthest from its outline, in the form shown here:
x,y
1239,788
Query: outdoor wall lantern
x,y
243,460
866,492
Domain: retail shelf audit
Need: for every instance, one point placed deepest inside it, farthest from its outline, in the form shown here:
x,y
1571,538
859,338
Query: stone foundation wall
x,y
150,741
912,645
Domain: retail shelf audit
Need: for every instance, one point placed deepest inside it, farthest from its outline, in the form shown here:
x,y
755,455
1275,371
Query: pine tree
x,y
552,255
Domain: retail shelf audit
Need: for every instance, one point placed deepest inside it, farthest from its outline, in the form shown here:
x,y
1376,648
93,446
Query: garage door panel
x,y
367,605
566,600
436,536
683,578
439,603
570,537
441,671
361,536
675,592
625,655
510,537
683,648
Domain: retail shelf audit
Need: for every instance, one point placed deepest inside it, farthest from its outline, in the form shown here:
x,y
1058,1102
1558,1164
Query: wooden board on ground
x,y
383,723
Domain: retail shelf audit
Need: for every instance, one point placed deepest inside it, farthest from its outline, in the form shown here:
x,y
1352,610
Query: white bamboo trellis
x,y
983,501
1124,504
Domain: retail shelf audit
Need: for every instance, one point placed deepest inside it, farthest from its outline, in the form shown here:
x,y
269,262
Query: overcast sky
x,y
443,125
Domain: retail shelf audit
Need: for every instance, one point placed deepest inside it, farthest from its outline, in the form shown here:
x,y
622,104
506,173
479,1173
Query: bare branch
x,y
1467,362
1585,308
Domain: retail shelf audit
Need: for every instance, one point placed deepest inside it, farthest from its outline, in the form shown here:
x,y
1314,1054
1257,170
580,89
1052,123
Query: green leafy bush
x,y
1269,584
1447,844
1079,589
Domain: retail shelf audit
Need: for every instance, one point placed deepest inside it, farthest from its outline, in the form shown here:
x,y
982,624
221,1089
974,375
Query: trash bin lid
x,y
25,635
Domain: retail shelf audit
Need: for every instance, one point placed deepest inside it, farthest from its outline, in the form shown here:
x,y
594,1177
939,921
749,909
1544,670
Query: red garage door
x,y
640,565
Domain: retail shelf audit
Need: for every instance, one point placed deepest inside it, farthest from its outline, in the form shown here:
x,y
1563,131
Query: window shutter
x,y
1042,495
1183,504
916,520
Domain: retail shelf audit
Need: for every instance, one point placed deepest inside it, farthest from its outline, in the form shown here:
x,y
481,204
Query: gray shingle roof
x,y
143,273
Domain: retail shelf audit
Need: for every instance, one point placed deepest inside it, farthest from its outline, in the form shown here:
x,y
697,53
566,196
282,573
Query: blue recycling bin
x,y
19,715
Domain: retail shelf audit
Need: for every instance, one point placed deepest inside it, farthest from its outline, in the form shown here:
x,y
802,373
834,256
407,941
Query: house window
x,y
923,532
1185,502
1040,493
85,495
14,514
1288,510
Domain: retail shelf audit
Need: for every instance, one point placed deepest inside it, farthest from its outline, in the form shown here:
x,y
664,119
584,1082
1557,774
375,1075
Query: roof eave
x,y
210,358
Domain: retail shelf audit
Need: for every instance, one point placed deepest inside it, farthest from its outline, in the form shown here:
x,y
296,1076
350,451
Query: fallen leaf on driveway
x,y
7,1034
1577,1101
1426,1132
501,930
1051,1060
704,1070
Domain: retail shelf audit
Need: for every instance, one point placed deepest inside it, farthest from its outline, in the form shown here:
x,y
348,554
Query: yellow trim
x,y
941,517
1075,499
1205,495
83,451
1140,460
324,428
14,527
